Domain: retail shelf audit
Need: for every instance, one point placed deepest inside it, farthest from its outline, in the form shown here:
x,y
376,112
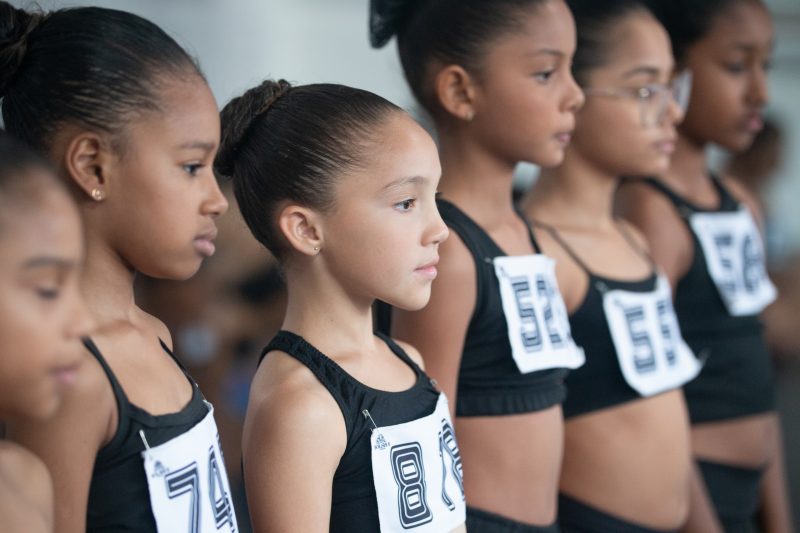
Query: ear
x,y
302,228
455,90
87,160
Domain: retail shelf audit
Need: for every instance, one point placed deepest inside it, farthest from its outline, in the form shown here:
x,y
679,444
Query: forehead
x,y
543,27
187,110
400,148
46,222
745,24
639,45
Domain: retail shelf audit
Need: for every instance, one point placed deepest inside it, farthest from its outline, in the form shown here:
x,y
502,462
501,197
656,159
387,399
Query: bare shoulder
x,y
744,196
156,325
412,352
287,397
26,490
637,201
635,233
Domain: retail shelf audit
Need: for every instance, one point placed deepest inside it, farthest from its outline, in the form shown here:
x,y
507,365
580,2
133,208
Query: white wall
x,y
240,42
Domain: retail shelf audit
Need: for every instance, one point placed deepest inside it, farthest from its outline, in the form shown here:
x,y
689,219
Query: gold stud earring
x,y
97,195
316,248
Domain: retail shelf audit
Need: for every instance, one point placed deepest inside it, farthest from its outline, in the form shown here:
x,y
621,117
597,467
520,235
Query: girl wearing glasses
x,y
626,461
496,80
704,231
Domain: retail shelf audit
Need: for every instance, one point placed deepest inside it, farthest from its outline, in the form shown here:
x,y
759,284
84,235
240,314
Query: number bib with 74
x,y
189,489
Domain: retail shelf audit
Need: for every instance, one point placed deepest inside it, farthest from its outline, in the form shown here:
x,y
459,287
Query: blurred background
x,y
223,317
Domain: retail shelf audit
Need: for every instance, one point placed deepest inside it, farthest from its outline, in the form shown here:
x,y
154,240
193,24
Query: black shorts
x,y
734,491
485,522
577,517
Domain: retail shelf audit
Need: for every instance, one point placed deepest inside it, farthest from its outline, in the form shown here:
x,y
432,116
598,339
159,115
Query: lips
x,y
204,243
564,137
665,146
753,122
65,374
428,270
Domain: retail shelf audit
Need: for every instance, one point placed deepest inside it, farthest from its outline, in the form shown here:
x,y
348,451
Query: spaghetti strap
x,y
641,252
536,248
567,248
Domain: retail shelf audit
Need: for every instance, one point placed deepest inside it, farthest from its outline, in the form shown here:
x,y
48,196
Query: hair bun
x,y
386,18
238,116
15,27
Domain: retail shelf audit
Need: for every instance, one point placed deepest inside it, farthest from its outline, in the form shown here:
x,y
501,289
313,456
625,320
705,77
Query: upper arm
x,y
293,441
69,441
439,329
26,491
669,241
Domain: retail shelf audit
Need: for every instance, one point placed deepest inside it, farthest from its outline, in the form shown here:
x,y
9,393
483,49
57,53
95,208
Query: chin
x,y
409,302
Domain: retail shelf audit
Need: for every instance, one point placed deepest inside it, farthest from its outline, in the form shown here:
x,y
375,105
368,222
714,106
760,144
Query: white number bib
x,y
734,254
538,323
189,489
652,354
417,472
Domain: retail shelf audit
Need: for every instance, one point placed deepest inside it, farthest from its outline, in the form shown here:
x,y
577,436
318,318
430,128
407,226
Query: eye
x,y
735,68
192,168
648,92
48,293
405,205
544,76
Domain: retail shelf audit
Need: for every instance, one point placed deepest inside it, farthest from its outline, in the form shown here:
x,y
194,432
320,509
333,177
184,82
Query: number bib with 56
x,y
189,489
538,324
734,254
418,477
652,354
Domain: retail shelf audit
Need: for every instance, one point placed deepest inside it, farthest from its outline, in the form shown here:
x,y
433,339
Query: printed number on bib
x,y
538,324
418,477
188,484
652,354
734,254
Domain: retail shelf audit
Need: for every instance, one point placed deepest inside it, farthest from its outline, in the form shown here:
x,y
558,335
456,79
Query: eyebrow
x,y
650,71
48,261
545,51
400,182
198,145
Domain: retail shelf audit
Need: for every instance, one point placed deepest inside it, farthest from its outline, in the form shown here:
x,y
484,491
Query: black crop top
x,y
354,505
489,381
736,380
599,383
119,498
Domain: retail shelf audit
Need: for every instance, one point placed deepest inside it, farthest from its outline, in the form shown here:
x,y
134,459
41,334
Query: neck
x,y
688,162
324,313
472,177
107,283
575,194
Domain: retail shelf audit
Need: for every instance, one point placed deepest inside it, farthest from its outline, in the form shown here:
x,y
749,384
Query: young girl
x,y
344,431
41,320
704,234
497,83
133,128
626,452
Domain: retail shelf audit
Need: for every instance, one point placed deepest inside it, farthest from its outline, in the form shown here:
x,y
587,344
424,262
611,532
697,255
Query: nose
x,y
81,323
758,89
216,204
437,230
574,97
674,113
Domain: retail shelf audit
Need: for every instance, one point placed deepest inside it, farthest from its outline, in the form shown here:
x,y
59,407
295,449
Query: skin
x,y
523,102
383,228
729,92
609,454
157,217
42,318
